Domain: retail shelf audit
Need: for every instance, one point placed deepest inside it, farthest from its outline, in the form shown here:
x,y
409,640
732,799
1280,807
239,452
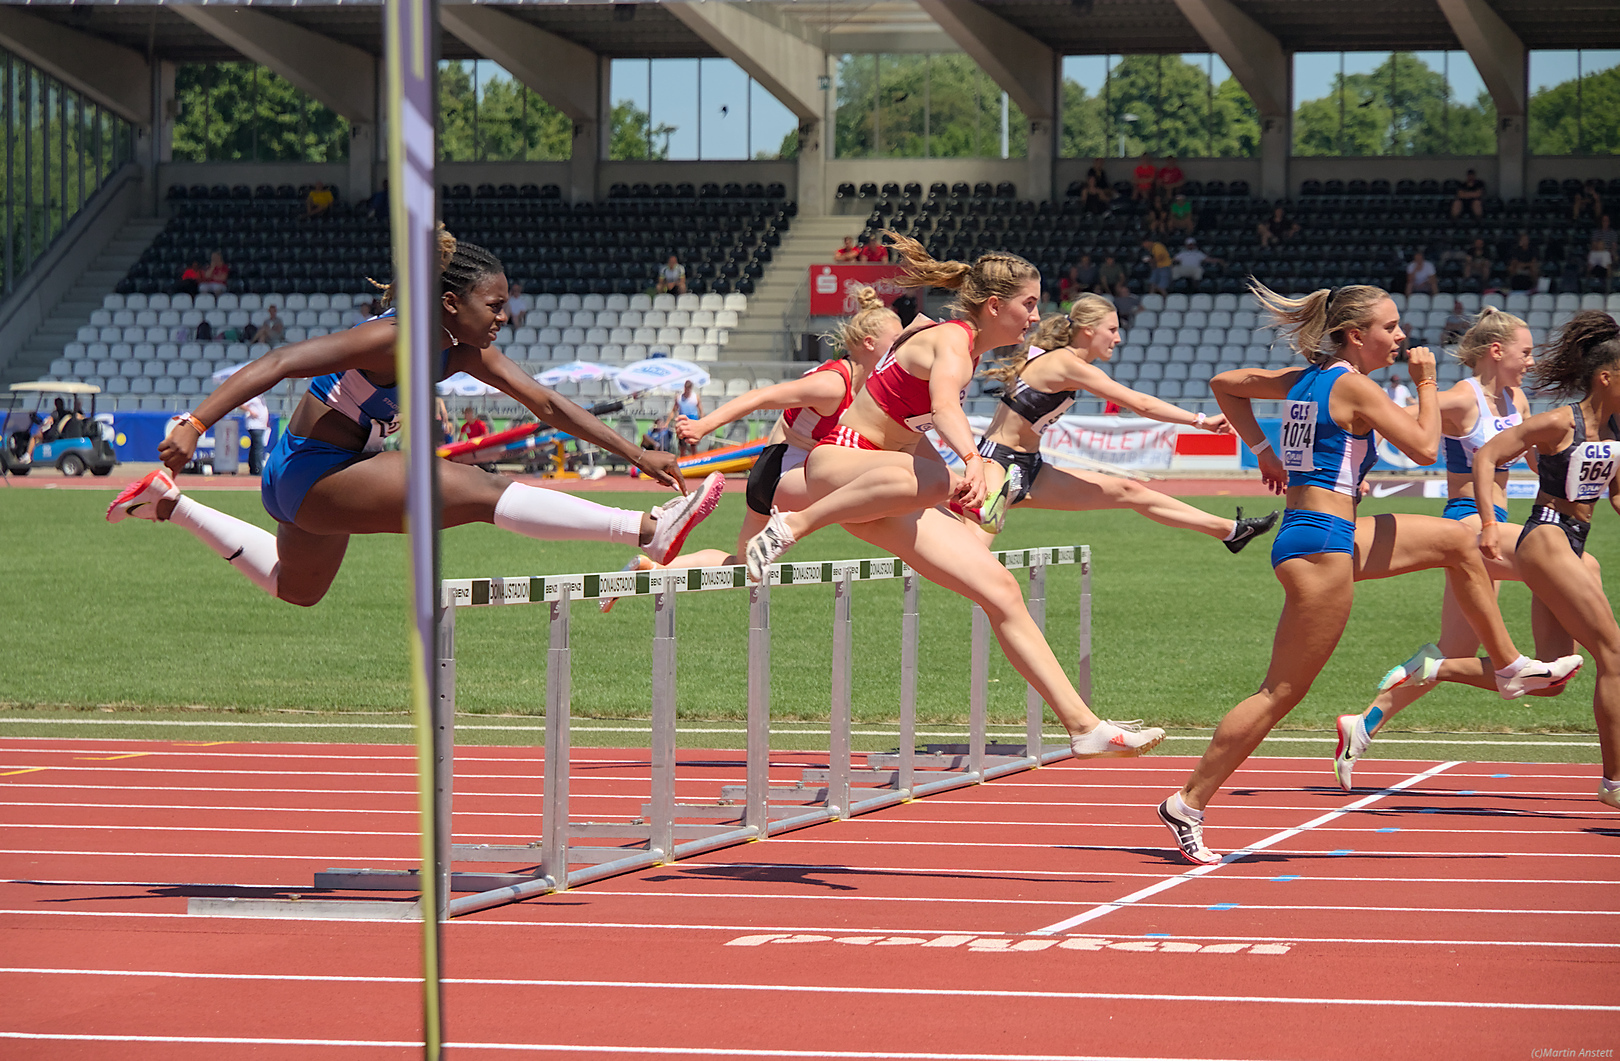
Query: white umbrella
x,y
658,373
463,386
574,372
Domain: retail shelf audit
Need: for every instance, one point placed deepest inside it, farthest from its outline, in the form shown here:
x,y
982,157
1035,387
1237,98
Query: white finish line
x,y
1259,845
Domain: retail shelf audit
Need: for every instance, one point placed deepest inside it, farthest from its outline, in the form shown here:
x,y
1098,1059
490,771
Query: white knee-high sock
x,y
249,549
551,515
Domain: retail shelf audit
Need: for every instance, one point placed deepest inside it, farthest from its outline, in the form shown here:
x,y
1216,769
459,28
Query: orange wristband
x,y
195,424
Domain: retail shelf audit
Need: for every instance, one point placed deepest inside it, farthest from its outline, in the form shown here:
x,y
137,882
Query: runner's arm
x,y
1545,430
1235,392
1091,378
951,372
1356,396
821,391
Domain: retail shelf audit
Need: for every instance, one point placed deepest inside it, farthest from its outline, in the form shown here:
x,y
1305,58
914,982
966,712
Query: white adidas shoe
x,y
674,520
766,547
140,499
1116,740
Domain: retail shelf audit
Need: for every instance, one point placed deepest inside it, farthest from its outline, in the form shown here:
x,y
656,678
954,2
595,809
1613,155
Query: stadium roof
x,y
644,29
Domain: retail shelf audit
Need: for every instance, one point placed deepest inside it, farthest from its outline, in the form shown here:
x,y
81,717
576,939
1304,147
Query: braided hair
x,y
462,267
1587,342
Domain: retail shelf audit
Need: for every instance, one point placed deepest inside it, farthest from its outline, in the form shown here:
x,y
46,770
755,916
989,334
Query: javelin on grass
x,y
1077,461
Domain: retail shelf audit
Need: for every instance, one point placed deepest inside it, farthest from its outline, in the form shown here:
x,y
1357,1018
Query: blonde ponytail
x,y
870,315
1314,324
1055,331
996,274
1493,325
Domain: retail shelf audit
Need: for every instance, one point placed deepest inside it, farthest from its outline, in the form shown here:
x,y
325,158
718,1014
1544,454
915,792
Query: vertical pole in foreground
x,y
662,836
755,810
1033,716
554,785
410,46
1082,679
838,748
978,691
907,778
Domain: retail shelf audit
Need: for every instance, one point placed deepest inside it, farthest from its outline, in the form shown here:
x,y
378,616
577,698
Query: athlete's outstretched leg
x,y
251,550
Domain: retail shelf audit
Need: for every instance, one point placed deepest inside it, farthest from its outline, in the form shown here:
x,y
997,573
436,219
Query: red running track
x,y
1475,911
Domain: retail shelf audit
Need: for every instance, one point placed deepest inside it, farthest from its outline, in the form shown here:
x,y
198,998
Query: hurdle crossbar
x,y
569,854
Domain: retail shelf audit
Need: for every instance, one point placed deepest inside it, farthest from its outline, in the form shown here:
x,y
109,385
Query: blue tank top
x,y
1315,450
1460,449
372,407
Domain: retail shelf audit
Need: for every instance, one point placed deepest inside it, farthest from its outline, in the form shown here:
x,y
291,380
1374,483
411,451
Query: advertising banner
x,y
832,287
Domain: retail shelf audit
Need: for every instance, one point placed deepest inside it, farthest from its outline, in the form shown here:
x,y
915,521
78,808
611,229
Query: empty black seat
x,y
731,190
485,191
1004,190
709,190
939,188
869,190
685,190
1428,187
1547,189
1571,186
641,190
1378,187
177,191
663,190
846,190
1406,187
776,190
1238,189
1333,187
618,191
891,189
753,190
532,191
984,190
961,189
913,190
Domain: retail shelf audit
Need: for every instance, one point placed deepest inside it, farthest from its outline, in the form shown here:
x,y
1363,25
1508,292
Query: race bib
x,y
1591,466
921,422
1046,421
1299,436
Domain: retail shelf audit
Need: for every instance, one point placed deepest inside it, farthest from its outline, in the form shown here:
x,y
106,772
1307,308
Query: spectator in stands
x,y
214,275
1099,173
1126,304
660,436
319,200
1158,261
1606,234
447,428
1277,228
517,306
1477,265
1144,178
472,425
271,330
672,277
1420,275
1158,217
190,278
1470,196
875,251
1095,197
688,405
1110,274
1068,286
377,205
247,333
1086,272
258,430
1170,178
849,252
1189,262
1599,260
1588,200
1524,265
1182,218
1456,325
1396,388
205,331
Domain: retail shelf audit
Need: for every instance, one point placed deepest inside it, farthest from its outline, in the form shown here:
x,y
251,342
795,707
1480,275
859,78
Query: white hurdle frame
x,y
842,790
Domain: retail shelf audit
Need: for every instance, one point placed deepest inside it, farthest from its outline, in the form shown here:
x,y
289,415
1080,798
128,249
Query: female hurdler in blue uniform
x,y
1578,461
327,477
1497,348
1330,410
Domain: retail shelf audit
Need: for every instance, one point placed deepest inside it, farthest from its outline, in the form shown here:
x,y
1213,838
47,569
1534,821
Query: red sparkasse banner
x,y
832,287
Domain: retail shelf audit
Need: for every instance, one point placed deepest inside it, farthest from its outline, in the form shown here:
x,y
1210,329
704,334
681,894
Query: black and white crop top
x,y
1580,471
1040,408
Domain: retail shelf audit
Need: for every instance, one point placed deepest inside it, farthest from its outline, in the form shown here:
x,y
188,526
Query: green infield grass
x,y
140,618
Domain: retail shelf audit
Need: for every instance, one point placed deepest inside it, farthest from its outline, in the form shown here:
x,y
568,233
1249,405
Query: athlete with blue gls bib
x,y
328,476
1331,408
1497,348
1578,462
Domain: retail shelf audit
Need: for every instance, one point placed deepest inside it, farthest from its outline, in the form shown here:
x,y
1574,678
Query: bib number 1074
x,y
1298,436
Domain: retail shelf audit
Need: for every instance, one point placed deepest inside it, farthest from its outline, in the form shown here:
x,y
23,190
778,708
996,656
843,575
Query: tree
x,y
1085,124
1404,107
505,122
242,111
1174,109
634,138
917,106
1577,117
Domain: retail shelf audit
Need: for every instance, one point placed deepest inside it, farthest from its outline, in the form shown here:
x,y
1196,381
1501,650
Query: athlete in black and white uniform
x,y
1579,461
1040,386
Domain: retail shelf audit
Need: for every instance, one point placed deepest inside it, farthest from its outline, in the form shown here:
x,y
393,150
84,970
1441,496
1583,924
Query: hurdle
x,y
569,854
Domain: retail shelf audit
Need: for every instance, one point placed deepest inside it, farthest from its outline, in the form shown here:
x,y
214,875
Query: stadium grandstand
x,y
586,144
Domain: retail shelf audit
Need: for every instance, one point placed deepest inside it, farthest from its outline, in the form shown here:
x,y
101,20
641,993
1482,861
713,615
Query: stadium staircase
x,y
33,359
778,309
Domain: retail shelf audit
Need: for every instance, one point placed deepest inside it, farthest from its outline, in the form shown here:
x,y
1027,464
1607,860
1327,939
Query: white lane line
x,y
1260,845
842,929
544,1049
835,989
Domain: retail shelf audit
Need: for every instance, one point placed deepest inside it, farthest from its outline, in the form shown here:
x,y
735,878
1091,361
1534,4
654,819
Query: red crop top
x,y
900,394
816,426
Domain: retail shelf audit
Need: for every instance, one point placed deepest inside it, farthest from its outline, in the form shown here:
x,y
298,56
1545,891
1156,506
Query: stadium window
x,y
60,148
1391,103
487,115
924,106
1189,106
667,109
1574,102
240,111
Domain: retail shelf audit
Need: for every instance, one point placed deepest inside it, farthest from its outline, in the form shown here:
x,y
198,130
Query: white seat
x,y
330,318
307,318
563,352
1546,302
187,385
1162,336
132,334
163,385
573,336
607,318
1592,301
1124,373
236,352
641,303
1614,302
588,352
1195,318
1189,336
107,367
294,302
73,350
669,336
1169,318
526,336
1150,370
135,301
169,318
583,318
725,318
549,336
737,302
663,302
96,351
250,302
112,302
645,336
735,387
89,334
101,318
117,385
295,334
632,318
204,301
617,302
569,302
120,350
1170,389
1201,302
121,319
146,318
545,303
635,351
688,302
202,369
612,352
679,318
717,336
655,318
694,336
140,385
320,302
61,367
713,389
703,318
1220,318
110,334
597,336
622,336
708,352
1569,301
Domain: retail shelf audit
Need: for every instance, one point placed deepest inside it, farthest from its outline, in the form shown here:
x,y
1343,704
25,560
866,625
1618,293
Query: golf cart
x,y
82,445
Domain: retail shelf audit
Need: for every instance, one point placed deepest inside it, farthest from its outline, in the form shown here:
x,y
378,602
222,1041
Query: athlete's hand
x,y
689,431
1272,471
970,490
1490,545
1217,424
176,450
1420,364
663,467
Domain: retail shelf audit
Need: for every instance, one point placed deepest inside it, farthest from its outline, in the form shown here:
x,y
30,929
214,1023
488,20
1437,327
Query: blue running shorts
x,y
294,465
1460,508
1306,533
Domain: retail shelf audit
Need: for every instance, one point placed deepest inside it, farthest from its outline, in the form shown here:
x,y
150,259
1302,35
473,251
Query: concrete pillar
x,y
1500,57
362,159
1265,71
154,142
